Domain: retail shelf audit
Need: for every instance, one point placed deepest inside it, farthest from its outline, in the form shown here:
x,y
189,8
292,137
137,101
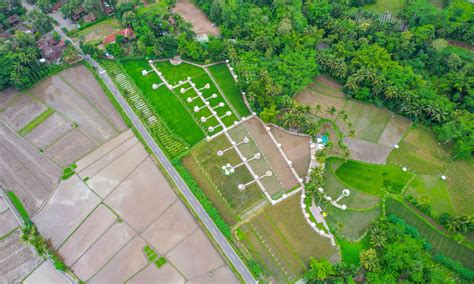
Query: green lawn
x,y
164,103
351,224
350,250
373,179
435,188
382,6
441,243
175,73
18,205
37,121
460,180
461,52
224,79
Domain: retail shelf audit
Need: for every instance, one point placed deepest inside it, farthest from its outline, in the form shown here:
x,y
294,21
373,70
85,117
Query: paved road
x,y
197,207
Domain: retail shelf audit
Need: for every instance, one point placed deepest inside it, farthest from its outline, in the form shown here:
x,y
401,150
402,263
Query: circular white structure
x,y
343,207
284,196
443,177
232,142
303,195
182,90
144,72
181,82
346,192
220,153
255,177
150,61
257,156
235,76
243,93
267,128
404,169
196,109
273,202
303,206
207,103
210,129
290,163
328,198
322,232
313,224
223,167
214,96
154,86
189,78
244,159
207,86
306,215
269,173
236,122
189,99
231,68
159,73
221,104
229,113
300,180
320,189
203,119
192,84
227,60
246,140
232,170
279,145
214,112
241,186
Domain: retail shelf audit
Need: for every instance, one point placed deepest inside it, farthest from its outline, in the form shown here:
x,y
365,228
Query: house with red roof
x,y
127,33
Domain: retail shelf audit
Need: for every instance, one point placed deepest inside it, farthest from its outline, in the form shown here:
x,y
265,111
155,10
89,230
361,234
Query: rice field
x,y
351,224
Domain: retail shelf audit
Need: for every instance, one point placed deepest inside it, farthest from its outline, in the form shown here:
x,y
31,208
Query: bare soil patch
x,y
62,97
142,196
170,228
16,259
70,147
103,250
25,171
49,131
85,83
394,131
45,273
312,98
151,274
192,14
105,149
68,206
195,255
271,152
89,231
109,177
22,111
8,222
220,275
330,82
100,30
6,96
296,149
125,264
366,151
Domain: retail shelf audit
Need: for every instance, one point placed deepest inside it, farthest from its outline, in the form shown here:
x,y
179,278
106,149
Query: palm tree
x,y
369,259
331,110
377,237
317,109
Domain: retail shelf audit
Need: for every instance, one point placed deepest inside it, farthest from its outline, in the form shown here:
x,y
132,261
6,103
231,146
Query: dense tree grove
x,y
401,62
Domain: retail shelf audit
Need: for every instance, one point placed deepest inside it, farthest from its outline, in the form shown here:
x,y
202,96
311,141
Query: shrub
x,y
455,266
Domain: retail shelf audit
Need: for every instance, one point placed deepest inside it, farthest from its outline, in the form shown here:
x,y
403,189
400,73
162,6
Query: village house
x,y
127,33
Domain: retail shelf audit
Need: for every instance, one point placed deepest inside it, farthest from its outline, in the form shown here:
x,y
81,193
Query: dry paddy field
x,y
192,14
116,205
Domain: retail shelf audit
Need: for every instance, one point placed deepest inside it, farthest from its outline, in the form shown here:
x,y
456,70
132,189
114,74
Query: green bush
x,y
202,198
19,206
455,266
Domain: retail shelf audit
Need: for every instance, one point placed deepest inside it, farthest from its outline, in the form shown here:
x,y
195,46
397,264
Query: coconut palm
x,y
369,259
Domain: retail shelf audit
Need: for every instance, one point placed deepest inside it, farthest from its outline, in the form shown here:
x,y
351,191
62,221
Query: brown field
x,y
3,205
312,98
22,111
174,225
24,170
84,83
70,147
166,274
111,176
59,94
267,146
326,82
102,251
45,273
192,14
296,149
140,207
394,131
45,134
195,255
125,264
89,231
97,156
16,259
8,222
6,97
220,275
69,205
366,151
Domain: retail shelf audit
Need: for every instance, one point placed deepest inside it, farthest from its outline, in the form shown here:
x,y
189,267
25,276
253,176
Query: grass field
x,y
224,79
373,179
381,6
460,180
18,205
37,121
350,224
441,243
461,52
100,30
333,187
282,242
176,73
421,152
210,163
435,188
350,250
164,103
